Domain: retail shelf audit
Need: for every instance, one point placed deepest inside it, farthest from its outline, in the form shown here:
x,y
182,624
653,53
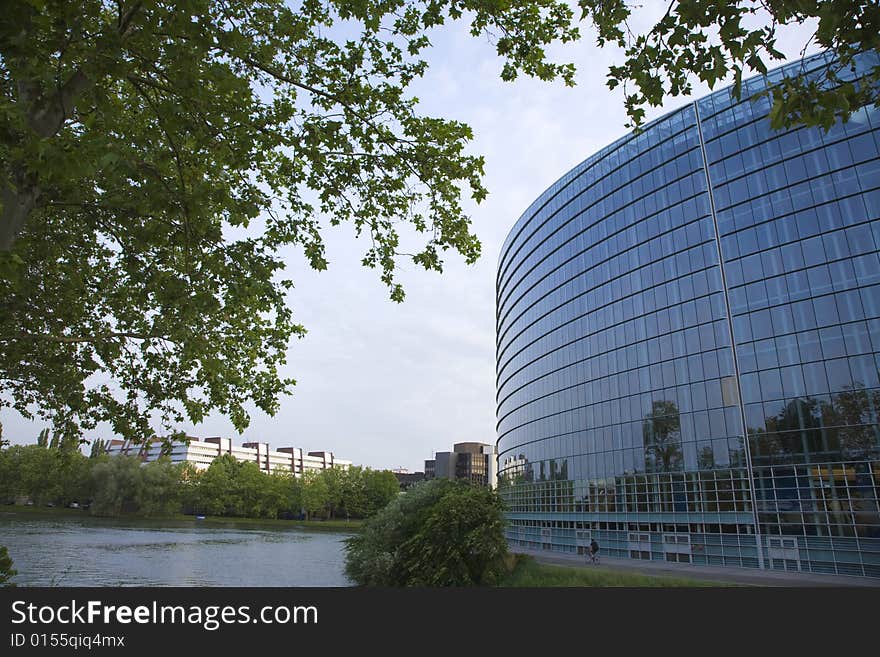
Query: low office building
x,y
474,462
202,452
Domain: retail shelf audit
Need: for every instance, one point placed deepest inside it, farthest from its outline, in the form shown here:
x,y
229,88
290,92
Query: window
x,y
762,327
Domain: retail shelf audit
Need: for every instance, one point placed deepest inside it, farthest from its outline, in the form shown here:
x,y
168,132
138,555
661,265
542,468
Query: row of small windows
x,y
675,358
631,198
819,312
631,248
814,428
855,411
824,204
594,292
762,183
787,158
821,428
767,286
593,313
788,297
627,449
628,404
835,494
808,379
720,111
623,445
598,230
690,496
777,295
786,232
616,277
541,461
718,429
606,329
851,339
673,134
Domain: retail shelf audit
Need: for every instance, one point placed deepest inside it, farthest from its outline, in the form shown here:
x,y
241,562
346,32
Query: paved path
x,y
746,576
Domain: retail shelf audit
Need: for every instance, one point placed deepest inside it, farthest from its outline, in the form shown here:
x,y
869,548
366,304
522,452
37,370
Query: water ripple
x,y
101,552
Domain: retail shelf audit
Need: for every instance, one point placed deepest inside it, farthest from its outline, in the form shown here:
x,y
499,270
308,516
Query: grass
x,y
179,519
527,572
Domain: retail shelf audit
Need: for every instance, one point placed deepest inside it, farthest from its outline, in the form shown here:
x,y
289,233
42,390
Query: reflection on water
x,y
88,551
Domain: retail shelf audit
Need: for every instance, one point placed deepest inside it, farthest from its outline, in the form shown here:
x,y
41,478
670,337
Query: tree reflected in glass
x,y
661,431
840,427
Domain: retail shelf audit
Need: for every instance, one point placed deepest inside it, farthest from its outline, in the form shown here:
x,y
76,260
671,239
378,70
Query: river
x,y
86,551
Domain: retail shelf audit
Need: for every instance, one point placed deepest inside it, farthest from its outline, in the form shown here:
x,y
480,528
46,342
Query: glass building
x,y
688,345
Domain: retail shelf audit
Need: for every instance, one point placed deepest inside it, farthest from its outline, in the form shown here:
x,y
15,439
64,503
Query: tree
x,y
294,496
252,488
712,39
235,488
315,493
333,482
461,543
855,411
439,533
358,492
381,488
156,156
37,473
160,492
117,485
7,572
99,448
354,492
661,431
278,495
9,475
215,493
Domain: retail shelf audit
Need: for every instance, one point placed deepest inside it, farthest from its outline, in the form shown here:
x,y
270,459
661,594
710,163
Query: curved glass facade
x,y
688,345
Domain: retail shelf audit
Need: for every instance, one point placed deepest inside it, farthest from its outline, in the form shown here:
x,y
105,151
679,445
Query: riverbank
x,y
181,520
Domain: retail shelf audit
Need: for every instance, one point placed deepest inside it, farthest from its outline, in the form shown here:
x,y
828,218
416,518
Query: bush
x,y
439,533
7,572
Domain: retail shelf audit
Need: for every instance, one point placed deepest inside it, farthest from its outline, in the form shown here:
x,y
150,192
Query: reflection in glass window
x,y
614,330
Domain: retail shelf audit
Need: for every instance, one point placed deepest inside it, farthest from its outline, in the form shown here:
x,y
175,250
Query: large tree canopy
x,y
156,156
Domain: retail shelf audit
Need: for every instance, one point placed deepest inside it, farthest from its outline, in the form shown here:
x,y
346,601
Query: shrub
x,y
439,533
7,572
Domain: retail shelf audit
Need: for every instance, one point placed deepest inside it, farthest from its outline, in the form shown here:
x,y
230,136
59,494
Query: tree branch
x,y
46,117
71,339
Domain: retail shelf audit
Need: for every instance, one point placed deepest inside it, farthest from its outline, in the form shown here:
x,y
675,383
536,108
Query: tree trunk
x,y
17,205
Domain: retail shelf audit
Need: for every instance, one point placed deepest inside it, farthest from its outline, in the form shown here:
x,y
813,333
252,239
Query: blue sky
x,y
384,384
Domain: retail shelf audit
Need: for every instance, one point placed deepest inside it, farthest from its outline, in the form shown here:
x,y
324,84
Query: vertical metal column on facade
x,y
739,400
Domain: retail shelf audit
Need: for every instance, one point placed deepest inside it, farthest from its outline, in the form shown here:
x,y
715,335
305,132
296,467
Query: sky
x,y
386,385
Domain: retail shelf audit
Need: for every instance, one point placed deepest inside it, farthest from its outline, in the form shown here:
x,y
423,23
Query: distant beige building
x,y
201,452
